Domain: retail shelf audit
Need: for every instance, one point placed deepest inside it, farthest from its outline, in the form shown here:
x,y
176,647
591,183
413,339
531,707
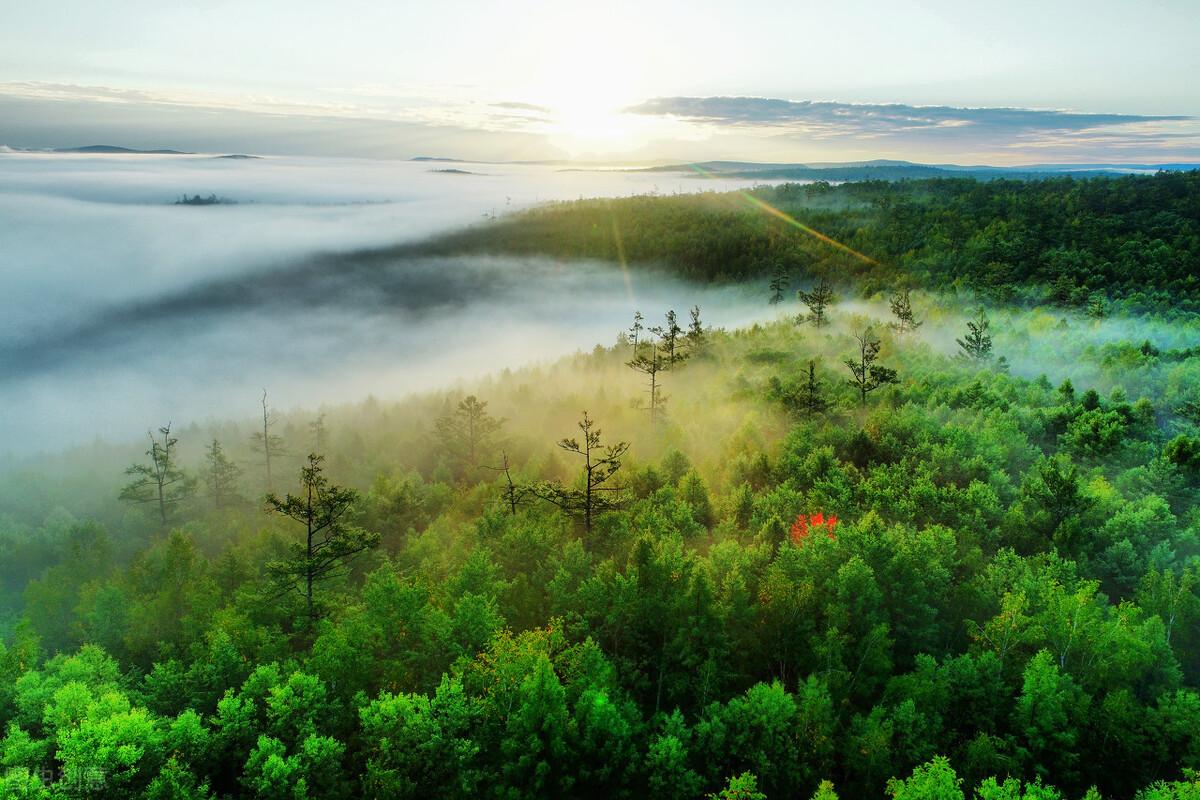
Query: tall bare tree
x,y
651,365
267,443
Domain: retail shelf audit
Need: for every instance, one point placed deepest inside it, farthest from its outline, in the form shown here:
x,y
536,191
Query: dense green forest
x,y
930,533
1066,241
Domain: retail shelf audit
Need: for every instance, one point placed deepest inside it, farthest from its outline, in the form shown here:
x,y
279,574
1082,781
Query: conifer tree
x,y
977,344
467,431
330,540
779,282
221,477
635,331
600,464
160,481
867,376
906,321
817,300
811,395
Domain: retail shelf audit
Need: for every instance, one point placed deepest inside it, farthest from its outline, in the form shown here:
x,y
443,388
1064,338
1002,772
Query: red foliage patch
x,y
807,523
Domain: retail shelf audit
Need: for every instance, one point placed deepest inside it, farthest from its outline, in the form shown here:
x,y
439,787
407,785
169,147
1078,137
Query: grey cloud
x,y
876,120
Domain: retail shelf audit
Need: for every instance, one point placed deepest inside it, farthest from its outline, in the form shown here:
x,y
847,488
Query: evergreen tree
x,y
668,336
697,337
221,477
867,375
811,395
779,282
817,300
160,481
330,540
977,344
635,331
467,432
906,321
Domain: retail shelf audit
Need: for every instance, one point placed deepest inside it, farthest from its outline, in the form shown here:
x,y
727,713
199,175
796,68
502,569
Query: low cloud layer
x,y
120,310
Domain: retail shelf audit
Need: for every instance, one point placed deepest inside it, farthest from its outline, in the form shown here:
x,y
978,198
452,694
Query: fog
x,y
120,310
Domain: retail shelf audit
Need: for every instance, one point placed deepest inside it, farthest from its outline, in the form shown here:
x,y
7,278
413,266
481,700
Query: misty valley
x,y
332,478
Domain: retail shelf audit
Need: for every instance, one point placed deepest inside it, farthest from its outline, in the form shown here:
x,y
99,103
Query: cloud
x,y
514,106
866,120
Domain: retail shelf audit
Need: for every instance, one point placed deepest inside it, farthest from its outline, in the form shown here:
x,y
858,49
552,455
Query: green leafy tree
x,y
330,541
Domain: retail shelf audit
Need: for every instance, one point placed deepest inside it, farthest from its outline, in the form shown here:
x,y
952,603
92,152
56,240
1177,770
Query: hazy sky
x,y
787,80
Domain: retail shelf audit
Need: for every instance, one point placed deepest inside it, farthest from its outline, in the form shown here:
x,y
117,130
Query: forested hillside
x,y
1066,241
894,541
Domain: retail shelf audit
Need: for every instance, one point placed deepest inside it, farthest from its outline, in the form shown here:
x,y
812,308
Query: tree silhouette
x,y
635,331
811,395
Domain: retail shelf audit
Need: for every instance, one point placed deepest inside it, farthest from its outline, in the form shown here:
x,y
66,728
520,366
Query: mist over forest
x,y
123,306
343,478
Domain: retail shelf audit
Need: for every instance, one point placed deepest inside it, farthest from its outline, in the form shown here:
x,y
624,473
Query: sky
x,y
785,80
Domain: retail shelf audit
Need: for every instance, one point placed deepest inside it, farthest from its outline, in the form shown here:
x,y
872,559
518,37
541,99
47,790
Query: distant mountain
x,y
238,156
890,170
108,148
437,158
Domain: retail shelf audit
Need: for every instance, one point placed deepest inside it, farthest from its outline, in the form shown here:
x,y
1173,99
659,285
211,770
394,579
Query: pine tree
x,y
330,541
600,464
467,431
867,375
902,311
779,283
811,395
221,477
697,337
668,335
635,331
977,344
818,300
160,481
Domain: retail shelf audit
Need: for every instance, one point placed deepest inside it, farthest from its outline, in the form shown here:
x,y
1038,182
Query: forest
x,y
928,530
